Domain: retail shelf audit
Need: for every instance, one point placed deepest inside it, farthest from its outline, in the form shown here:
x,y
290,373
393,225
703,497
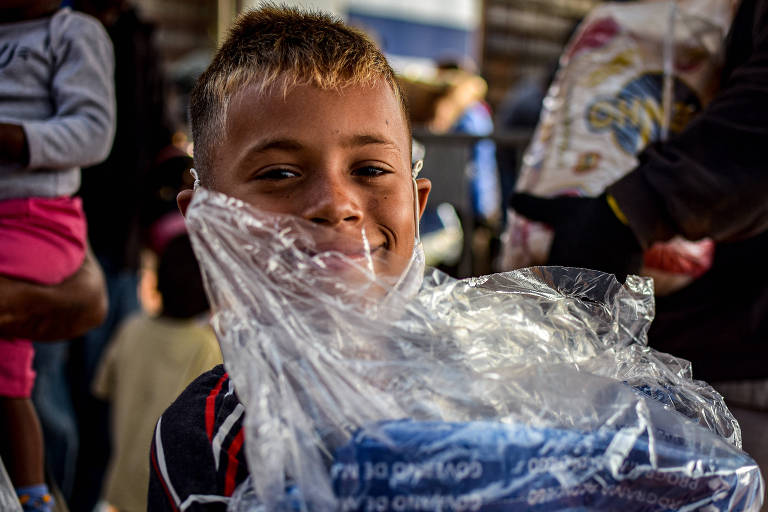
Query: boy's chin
x,y
362,277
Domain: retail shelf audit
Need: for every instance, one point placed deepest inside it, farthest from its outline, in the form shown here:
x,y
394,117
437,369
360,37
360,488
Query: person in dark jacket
x,y
711,180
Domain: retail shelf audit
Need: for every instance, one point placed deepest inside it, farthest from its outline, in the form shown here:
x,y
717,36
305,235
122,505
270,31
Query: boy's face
x,y
338,159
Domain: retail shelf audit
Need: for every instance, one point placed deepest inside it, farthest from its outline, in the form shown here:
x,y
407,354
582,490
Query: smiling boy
x,y
297,114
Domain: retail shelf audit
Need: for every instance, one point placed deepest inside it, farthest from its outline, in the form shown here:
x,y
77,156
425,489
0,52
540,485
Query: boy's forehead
x,y
341,106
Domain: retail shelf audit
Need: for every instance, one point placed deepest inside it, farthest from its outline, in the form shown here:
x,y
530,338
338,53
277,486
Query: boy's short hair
x,y
278,46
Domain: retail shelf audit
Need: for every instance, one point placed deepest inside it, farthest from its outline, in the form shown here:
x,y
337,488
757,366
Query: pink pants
x,y
42,240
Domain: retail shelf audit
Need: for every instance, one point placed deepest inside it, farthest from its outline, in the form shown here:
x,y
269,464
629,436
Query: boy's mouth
x,y
344,253
348,250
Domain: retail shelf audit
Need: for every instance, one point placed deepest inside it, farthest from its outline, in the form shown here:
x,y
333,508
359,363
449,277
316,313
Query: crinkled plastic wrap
x,y
527,390
9,501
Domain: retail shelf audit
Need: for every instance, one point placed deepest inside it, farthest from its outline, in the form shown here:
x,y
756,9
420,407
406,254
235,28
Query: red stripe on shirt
x,y
162,480
234,449
210,403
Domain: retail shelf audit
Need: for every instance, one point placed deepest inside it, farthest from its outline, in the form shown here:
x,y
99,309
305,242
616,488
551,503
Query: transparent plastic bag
x,y
9,501
364,391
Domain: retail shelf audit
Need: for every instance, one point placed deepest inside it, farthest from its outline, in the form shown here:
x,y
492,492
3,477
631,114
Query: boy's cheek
x,y
393,264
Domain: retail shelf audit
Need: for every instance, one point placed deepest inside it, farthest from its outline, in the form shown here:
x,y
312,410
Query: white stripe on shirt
x,y
226,426
202,498
161,462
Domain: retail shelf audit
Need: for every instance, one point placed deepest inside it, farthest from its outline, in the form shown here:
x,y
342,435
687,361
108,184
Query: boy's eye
x,y
369,171
276,174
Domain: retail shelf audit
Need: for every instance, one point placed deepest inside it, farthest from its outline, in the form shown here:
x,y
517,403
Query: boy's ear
x,y
183,200
423,185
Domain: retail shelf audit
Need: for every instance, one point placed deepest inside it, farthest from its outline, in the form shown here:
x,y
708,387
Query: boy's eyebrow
x,y
366,139
288,144
281,143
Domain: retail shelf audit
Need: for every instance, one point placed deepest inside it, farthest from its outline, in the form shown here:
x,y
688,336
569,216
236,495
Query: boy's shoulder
x,y
205,404
198,446
213,381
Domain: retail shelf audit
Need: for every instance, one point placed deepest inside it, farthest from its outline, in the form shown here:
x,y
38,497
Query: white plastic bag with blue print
x,y
633,73
528,390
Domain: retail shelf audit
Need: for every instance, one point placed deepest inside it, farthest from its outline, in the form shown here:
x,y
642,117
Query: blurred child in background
x,y
56,115
151,360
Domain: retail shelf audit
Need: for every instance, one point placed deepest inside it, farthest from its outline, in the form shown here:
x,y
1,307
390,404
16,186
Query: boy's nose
x,y
333,202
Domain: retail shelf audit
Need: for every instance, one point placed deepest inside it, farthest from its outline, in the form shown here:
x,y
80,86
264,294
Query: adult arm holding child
x,y
50,313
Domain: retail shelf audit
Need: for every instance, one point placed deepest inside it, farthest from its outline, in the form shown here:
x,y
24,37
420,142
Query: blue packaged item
x,y
491,466
526,390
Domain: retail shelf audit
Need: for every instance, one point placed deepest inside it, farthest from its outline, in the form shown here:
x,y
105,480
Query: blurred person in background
x,y
111,195
50,126
462,109
519,110
711,180
150,362
453,102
